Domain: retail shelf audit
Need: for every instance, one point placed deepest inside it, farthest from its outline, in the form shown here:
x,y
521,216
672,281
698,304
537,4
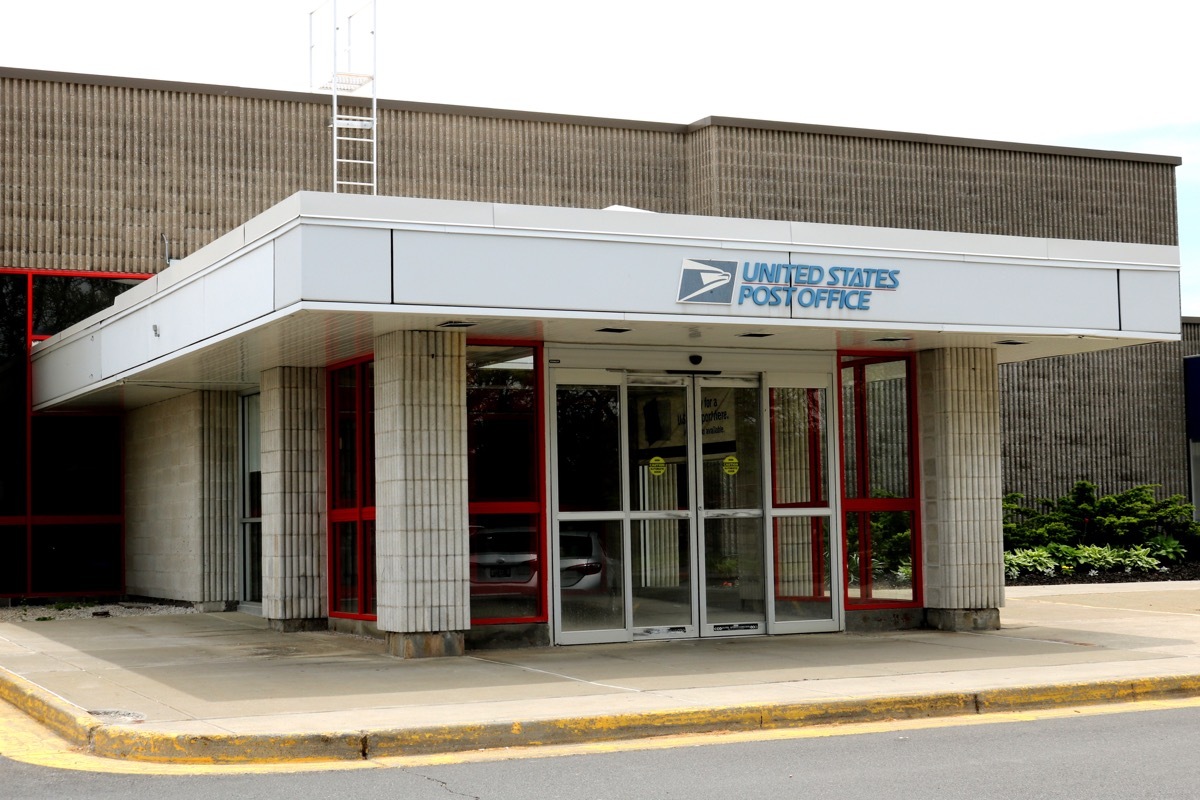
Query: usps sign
x,y
778,284
707,281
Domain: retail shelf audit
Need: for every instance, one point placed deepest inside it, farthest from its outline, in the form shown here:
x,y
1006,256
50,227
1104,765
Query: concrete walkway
x,y
224,688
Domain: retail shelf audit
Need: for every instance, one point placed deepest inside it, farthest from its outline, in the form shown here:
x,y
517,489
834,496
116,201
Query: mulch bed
x,y
1189,571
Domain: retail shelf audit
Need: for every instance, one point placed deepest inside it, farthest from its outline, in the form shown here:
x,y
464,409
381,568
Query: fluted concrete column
x,y
218,499
292,416
181,500
962,525
421,530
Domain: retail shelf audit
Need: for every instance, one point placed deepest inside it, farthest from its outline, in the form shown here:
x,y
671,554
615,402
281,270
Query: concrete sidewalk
x,y
225,688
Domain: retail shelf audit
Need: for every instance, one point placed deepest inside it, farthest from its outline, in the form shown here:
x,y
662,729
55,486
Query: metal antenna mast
x,y
342,61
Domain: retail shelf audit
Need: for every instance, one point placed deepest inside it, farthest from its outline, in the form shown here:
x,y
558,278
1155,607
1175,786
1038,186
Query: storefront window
x,y
880,531
504,456
352,490
13,409
251,545
61,504
60,302
502,417
589,452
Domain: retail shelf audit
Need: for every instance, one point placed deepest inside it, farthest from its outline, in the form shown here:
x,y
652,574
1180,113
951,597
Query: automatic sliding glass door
x,y
690,506
729,438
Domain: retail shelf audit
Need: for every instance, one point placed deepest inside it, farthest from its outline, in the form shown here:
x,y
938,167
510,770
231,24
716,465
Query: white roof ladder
x,y
343,64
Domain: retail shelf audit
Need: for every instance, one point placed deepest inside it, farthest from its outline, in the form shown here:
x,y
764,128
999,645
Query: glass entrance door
x,y
733,565
665,527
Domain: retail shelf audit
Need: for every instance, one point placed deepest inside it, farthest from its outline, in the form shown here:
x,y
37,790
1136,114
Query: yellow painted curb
x,y
1083,694
138,744
68,721
128,742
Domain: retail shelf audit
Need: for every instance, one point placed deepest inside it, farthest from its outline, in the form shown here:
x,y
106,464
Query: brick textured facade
x,y
99,170
1115,418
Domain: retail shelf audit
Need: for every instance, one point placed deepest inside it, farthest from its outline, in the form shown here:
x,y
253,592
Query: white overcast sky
x,y
1115,76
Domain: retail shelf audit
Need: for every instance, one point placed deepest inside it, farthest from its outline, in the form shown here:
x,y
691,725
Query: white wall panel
x,y
76,364
1150,300
125,343
241,290
625,277
346,264
179,317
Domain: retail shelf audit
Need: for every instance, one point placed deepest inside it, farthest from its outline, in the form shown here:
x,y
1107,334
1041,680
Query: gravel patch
x,y
49,613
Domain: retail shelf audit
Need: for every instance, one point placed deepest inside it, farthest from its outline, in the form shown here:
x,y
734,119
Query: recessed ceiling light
x,y
457,323
613,330
1010,341
754,335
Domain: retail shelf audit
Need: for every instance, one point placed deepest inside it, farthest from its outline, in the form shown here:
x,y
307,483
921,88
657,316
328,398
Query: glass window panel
x,y
802,569
506,573
346,583
76,465
879,556
12,394
892,555
590,574
12,559
798,447
77,558
345,414
887,429
502,414
60,302
858,572
251,457
661,567
729,430
850,433
368,441
734,571
658,448
252,562
589,448
368,567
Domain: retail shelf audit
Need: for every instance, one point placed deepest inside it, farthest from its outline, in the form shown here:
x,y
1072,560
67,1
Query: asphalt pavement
x,y
224,688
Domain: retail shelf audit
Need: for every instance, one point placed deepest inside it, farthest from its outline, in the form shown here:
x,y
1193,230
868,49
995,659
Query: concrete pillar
x,y
421,529
181,500
292,417
962,525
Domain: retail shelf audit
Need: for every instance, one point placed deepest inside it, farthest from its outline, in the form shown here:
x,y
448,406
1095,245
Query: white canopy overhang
x,y
313,280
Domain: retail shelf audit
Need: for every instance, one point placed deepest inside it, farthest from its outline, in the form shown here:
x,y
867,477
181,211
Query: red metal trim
x,y
863,505
76,273
504,507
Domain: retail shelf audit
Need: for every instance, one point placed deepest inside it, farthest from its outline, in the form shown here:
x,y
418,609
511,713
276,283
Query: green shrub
x,y
1084,517
1139,559
1061,559
1099,558
1028,561
1166,548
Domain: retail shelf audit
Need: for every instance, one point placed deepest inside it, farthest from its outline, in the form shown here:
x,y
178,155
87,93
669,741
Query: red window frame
x,y
863,505
535,507
361,511
29,520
